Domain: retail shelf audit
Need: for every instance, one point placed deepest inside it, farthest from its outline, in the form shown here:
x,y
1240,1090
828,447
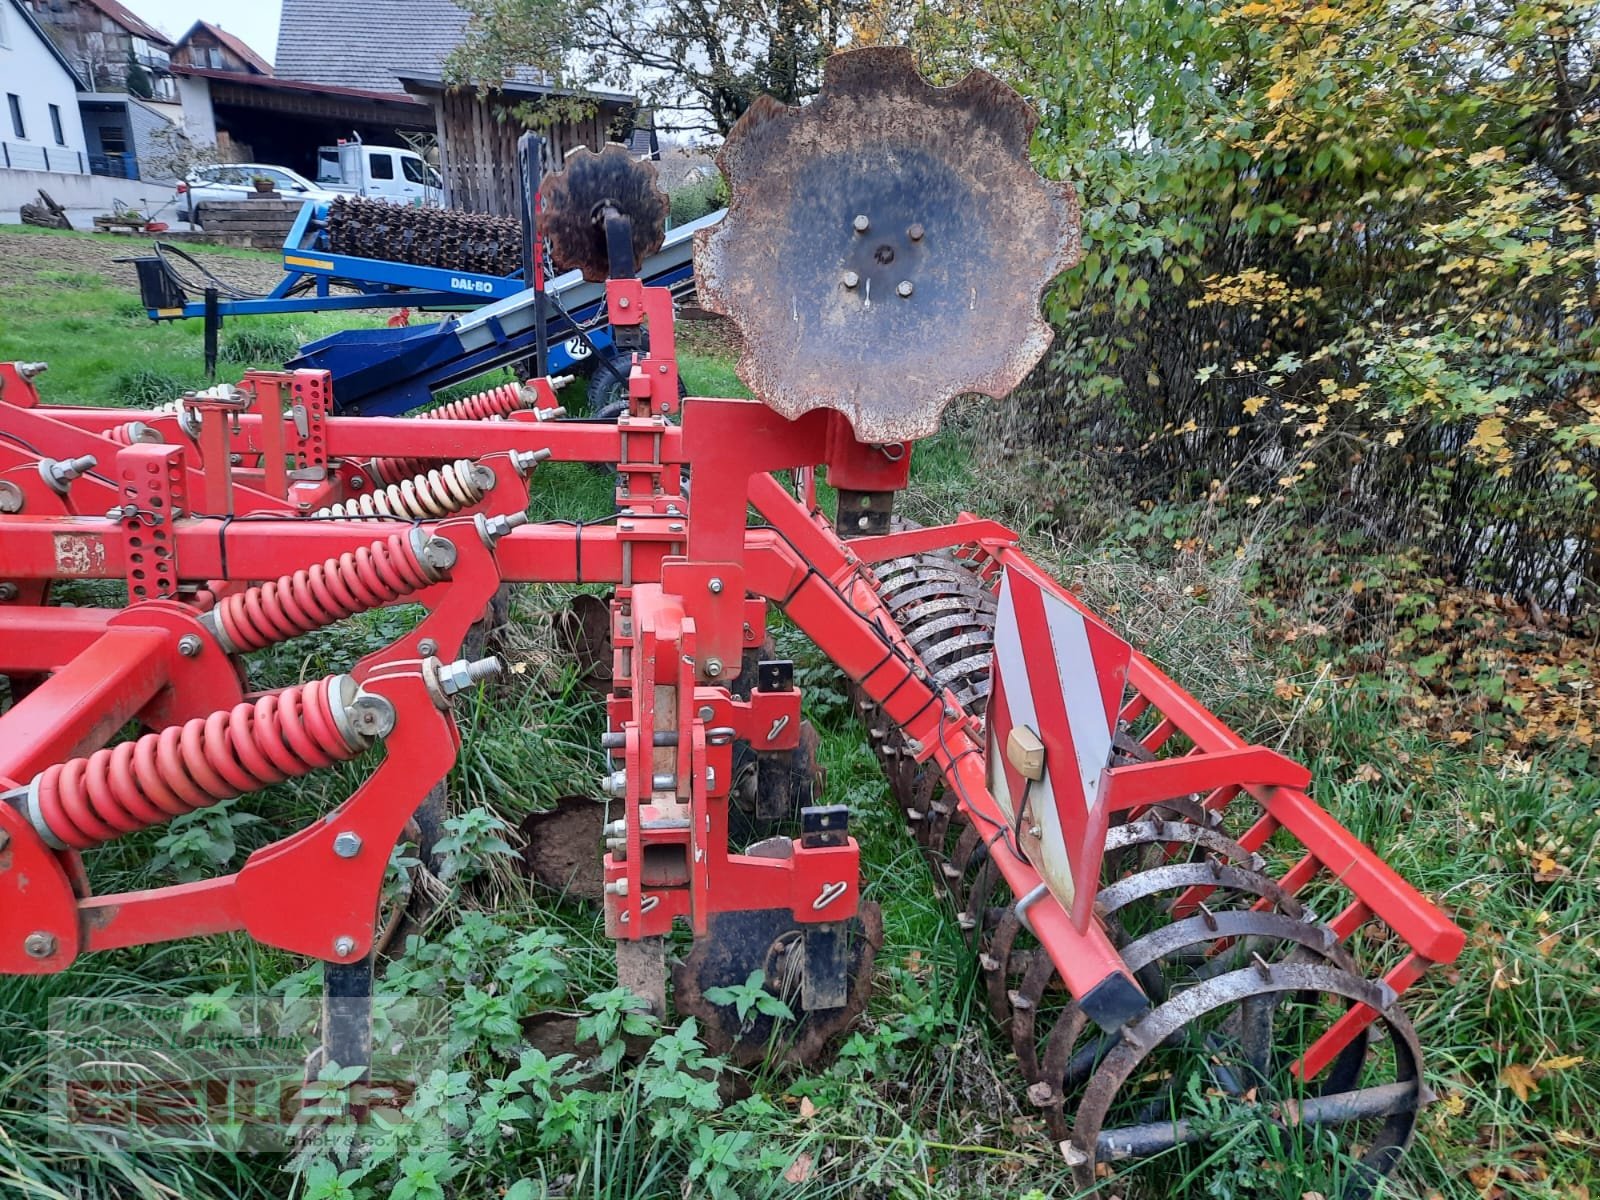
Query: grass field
x,y
924,1099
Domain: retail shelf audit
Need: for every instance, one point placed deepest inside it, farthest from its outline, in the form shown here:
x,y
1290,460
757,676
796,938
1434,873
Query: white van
x,y
382,172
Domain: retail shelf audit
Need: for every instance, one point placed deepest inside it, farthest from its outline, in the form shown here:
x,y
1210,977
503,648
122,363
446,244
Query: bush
x,y
1342,258
697,198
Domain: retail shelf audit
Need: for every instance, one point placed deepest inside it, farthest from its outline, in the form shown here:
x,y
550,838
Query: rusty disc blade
x,y
886,245
576,197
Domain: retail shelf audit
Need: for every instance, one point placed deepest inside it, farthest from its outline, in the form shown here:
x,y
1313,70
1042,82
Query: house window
x,y
383,166
55,124
113,140
17,128
5,40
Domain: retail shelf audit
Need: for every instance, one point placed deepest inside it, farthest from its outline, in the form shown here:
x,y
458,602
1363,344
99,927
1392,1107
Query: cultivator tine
x,y
1131,878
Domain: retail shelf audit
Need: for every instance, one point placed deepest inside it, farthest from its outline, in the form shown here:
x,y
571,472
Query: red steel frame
x,y
691,580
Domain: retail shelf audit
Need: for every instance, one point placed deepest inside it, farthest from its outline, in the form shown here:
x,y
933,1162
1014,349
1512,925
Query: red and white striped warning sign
x,y
1058,681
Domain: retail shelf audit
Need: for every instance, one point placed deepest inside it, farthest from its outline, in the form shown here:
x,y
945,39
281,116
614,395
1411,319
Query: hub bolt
x,y
39,944
347,844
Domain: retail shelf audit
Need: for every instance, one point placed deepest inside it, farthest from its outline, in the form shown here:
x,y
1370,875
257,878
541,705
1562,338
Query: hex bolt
x,y
615,784
60,472
525,460
461,674
344,946
861,223
492,529
617,887
624,302
904,289
347,844
713,667
915,232
30,370
39,944
715,587
616,829
357,483
8,591
10,497
189,645
427,647
851,279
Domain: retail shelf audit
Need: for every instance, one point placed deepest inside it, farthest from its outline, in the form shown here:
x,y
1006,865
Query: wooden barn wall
x,y
478,153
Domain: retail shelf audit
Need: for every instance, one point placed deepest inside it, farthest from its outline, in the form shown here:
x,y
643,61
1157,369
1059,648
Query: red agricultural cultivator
x,y
1165,923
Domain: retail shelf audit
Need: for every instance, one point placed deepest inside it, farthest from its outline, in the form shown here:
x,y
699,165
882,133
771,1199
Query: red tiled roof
x,y
232,42
132,23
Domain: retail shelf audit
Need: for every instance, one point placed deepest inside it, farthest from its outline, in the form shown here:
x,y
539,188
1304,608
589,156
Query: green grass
x,y
925,1100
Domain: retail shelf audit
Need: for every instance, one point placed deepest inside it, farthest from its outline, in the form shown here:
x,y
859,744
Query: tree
x,y
139,83
700,63
1343,255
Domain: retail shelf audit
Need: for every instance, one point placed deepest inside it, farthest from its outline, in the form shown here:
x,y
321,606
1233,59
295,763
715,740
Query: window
x,y
17,129
113,140
55,124
414,171
4,40
215,55
382,166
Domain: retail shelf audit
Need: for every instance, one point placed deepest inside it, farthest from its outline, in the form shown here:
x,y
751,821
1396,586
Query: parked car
x,y
382,172
236,181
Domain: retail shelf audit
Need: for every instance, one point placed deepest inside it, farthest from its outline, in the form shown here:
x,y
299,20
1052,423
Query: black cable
x,y
211,280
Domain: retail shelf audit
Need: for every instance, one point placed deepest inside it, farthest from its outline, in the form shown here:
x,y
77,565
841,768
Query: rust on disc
x,y
886,245
576,197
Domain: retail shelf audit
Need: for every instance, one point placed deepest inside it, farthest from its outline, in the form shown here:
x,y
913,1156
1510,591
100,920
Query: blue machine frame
x,y
386,371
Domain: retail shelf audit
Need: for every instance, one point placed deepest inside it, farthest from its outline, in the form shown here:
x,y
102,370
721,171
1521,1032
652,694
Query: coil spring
x,y
435,493
135,785
366,578
131,433
483,406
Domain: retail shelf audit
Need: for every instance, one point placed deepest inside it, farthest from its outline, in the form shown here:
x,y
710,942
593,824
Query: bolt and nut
x,y
8,591
715,587
347,844
460,675
344,946
39,944
427,647
190,645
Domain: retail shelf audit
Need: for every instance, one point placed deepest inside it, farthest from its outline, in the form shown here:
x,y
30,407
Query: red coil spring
x,y
367,578
132,786
132,432
496,402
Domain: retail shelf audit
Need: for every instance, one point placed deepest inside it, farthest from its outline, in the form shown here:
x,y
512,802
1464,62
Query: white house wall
x,y
31,72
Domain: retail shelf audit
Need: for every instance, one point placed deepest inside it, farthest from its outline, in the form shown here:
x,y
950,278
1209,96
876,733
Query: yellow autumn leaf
x,y
1519,1079
1281,91
1564,1062
1394,437
1254,405
1493,154
1490,434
